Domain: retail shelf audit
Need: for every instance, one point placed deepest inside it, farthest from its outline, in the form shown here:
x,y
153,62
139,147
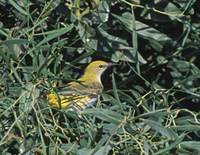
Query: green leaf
x,y
13,47
87,34
115,91
191,145
103,150
166,132
18,7
171,146
121,48
14,41
142,29
53,34
104,114
104,10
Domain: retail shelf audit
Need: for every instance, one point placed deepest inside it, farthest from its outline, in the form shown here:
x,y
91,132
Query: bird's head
x,y
96,68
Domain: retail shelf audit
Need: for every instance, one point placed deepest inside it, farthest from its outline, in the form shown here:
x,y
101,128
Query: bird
x,y
83,92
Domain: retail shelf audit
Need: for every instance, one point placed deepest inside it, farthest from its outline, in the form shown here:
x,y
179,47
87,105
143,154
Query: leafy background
x,y
150,104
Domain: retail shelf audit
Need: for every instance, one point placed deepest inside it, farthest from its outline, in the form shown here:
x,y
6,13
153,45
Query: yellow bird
x,y
82,93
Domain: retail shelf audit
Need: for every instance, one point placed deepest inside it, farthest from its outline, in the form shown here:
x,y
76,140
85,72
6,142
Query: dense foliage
x,y
150,104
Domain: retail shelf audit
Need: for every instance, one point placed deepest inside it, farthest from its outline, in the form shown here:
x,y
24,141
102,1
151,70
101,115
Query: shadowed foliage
x,y
150,104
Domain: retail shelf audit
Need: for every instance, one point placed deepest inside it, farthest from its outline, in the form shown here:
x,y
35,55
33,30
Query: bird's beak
x,y
110,64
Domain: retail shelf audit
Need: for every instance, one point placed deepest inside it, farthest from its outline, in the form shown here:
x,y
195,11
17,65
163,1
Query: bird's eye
x,y
101,66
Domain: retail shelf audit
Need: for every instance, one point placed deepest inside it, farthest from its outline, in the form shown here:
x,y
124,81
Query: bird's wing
x,y
76,101
86,87
75,94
